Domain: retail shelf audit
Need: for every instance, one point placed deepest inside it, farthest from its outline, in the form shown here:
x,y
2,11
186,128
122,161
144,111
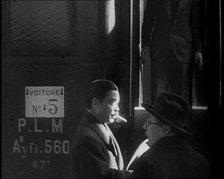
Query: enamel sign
x,y
44,101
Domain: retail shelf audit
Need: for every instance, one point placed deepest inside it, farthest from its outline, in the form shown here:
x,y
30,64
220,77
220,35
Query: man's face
x,y
153,129
108,109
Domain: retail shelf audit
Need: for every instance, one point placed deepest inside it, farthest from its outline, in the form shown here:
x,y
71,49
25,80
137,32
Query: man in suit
x,y
169,155
95,151
170,38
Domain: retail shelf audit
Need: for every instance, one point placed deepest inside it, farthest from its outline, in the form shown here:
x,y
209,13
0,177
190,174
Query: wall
x,y
46,45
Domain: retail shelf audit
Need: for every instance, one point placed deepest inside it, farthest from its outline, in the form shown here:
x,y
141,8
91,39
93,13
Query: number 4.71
x,y
40,164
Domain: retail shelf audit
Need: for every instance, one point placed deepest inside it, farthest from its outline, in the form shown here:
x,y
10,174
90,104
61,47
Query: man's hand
x,y
199,60
145,55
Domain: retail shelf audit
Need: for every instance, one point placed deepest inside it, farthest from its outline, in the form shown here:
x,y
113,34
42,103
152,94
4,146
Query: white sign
x,y
44,101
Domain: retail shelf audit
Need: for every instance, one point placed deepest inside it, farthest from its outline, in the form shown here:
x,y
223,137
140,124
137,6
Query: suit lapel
x,y
181,5
167,6
106,135
99,128
119,157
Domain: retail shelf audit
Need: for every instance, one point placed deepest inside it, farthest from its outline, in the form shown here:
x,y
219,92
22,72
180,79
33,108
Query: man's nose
x,y
144,126
117,109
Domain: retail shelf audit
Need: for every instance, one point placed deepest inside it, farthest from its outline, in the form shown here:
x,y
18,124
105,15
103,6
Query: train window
x,y
197,91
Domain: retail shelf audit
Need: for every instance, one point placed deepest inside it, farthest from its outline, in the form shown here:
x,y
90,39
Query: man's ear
x,y
95,103
166,129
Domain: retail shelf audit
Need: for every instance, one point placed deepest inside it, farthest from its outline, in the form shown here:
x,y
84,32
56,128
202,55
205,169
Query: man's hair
x,y
172,129
99,89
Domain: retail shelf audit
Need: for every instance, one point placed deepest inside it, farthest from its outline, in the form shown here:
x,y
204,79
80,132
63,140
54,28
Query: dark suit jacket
x,y
171,158
93,154
162,32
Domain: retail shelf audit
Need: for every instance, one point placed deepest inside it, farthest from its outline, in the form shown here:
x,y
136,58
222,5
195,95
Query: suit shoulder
x,y
84,131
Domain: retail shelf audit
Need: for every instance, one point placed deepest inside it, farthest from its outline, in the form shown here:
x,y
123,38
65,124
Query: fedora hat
x,y
172,110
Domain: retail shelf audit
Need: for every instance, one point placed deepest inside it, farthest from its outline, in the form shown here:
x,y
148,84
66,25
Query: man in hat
x,y
169,155
95,152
